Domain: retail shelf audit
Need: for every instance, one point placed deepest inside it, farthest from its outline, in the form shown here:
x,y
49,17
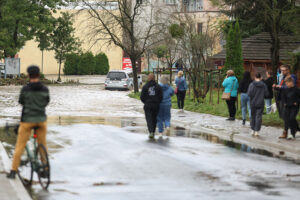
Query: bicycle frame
x,y
32,154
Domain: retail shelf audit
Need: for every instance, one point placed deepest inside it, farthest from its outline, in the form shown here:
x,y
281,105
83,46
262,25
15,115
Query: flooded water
x,y
99,149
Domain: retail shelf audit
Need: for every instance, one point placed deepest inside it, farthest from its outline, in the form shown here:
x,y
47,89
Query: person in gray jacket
x,y
257,92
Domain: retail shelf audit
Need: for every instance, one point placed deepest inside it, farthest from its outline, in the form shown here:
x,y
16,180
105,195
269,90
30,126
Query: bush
x,y
71,64
86,64
101,64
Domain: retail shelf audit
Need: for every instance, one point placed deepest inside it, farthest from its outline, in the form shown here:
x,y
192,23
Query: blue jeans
x,y
245,102
164,117
268,105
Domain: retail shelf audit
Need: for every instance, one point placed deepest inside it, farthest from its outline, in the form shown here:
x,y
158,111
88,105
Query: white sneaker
x,y
253,133
168,131
160,135
256,133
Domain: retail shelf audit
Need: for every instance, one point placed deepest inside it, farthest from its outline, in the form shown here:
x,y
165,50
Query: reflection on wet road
x,y
120,164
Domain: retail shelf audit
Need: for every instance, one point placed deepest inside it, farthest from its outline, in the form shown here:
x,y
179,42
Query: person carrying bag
x,y
230,93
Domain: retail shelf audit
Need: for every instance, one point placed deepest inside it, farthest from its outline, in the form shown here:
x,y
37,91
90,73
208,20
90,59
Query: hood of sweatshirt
x,y
35,86
164,87
258,84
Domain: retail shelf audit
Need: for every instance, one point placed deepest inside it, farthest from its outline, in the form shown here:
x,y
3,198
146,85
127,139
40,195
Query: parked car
x,y
120,80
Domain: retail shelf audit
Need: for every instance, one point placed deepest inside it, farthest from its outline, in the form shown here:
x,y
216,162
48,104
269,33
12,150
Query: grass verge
x,y
218,109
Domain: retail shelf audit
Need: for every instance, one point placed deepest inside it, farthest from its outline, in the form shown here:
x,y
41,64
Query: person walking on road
x,y
181,87
257,92
231,86
286,72
291,100
245,99
151,96
269,83
34,98
164,115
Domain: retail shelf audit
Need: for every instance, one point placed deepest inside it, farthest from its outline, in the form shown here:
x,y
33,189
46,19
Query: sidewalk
x,y
234,131
10,189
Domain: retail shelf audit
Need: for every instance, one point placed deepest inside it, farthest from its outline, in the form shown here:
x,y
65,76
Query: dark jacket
x,y
151,94
279,91
290,96
34,98
257,92
244,85
269,84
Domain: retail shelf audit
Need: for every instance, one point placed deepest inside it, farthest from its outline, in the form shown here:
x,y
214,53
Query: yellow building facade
x,y
31,54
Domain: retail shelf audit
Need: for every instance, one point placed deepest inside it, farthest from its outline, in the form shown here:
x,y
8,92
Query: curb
x,y
278,150
20,191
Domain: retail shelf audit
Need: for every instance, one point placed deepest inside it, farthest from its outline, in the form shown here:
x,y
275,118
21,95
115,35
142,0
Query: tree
x,y
195,50
172,41
272,16
234,58
124,23
63,41
20,20
160,52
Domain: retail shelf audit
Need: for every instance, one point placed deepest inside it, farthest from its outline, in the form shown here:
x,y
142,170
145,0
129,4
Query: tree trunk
x,y
42,61
171,74
135,79
148,59
275,54
59,79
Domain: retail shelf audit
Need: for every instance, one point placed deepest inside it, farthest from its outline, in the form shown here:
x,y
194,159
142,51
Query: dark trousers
x,y
180,98
231,107
290,122
151,112
256,118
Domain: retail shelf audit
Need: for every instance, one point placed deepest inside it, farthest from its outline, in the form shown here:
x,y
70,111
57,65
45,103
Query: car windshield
x,y
116,75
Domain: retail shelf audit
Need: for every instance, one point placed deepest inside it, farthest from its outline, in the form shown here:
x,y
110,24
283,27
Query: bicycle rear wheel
x,y
43,169
25,170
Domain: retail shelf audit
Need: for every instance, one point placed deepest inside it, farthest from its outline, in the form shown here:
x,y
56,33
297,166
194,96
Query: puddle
x,y
109,184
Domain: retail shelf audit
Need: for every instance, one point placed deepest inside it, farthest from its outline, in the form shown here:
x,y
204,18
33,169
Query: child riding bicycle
x,y
34,98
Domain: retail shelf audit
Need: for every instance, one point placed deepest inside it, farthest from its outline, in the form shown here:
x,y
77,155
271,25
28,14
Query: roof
x,y
257,47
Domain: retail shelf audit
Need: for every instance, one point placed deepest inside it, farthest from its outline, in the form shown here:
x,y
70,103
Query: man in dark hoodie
x,y
257,92
151,97
34,98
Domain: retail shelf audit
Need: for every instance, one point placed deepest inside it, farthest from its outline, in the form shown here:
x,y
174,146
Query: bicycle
x,y
34,159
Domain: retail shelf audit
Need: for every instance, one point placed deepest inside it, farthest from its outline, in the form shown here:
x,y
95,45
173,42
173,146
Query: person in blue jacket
x,y
181,86
231,86
164,115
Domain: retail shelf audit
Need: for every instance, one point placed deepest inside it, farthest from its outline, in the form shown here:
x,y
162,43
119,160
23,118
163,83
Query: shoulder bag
x,y
226,95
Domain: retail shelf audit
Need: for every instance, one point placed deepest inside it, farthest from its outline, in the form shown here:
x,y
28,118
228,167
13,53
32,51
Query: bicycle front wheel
x,y
25,170
43,169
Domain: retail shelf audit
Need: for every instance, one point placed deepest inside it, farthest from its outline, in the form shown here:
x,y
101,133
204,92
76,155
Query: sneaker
x,y
151,136
244,121
11,175
168,131
160,135
253,133
256,133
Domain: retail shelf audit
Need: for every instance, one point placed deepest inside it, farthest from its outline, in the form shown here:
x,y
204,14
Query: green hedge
x,y
86,64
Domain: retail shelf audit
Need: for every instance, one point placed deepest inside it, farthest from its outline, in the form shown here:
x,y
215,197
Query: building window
x,y
194,5
199,28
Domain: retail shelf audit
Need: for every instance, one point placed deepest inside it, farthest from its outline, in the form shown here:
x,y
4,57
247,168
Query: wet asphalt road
x,y
94,154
